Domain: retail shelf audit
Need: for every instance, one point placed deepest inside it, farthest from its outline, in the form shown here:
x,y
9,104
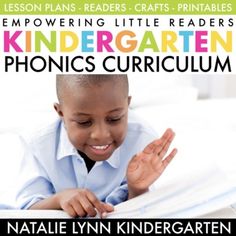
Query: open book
x,y
193,196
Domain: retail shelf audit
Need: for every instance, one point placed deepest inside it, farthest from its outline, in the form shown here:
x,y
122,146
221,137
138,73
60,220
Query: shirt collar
x,y
65,149
114,159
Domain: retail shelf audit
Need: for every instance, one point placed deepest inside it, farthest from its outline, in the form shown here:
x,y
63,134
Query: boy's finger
x,y
95,202
151,147
109,208
166,146
168,135
70,210
86,206
134,162
77,208
169,158
157,143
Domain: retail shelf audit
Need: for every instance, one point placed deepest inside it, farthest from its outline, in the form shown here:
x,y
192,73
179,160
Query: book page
x,y
189,197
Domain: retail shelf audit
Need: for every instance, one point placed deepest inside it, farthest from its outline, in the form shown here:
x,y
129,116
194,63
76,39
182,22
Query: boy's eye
x,y
114,120
84,123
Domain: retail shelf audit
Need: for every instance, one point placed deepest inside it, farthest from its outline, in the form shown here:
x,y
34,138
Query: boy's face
x,y
95,118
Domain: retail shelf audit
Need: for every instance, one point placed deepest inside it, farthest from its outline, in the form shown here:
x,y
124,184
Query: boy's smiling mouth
x,y
101,149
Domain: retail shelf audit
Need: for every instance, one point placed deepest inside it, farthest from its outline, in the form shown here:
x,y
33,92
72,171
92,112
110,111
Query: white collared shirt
x,y
51,164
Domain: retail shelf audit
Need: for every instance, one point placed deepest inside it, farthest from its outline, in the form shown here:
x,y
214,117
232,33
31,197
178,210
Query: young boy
x,y
95,155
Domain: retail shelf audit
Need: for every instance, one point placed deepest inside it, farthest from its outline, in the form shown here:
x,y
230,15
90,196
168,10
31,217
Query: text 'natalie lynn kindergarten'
x,y
119,227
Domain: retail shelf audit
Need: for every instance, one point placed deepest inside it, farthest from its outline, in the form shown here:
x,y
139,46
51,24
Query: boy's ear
x,y
129,99
57,107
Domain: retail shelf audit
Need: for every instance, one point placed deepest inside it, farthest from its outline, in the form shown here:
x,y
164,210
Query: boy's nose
x,y
100,132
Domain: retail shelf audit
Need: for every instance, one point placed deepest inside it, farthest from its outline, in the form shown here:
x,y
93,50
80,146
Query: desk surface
x,y
227,212
48,214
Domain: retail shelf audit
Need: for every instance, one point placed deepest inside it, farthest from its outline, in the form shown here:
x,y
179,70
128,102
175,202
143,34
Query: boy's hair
x,y
70,81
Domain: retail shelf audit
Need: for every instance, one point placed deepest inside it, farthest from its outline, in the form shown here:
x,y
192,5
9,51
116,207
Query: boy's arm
x,y
47,203
32,184
147,166
118,195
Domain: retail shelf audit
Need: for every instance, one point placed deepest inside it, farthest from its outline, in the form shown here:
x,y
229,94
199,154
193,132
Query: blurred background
x,y
26,99
215,86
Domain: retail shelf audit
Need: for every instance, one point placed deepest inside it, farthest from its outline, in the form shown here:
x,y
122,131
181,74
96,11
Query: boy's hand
x,y
82,202
145,167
